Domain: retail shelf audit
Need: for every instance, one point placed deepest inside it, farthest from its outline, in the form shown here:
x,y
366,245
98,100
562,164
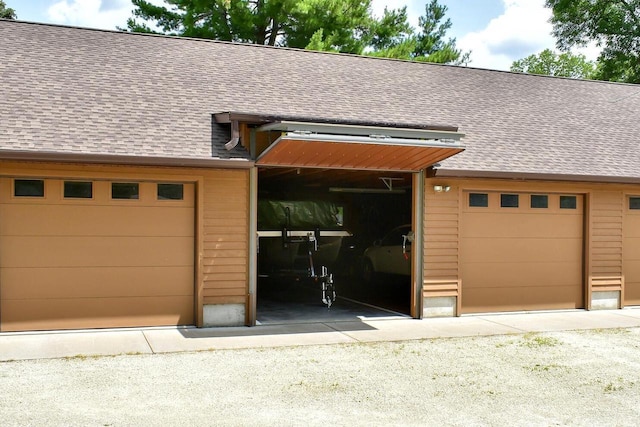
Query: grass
x,y
536,340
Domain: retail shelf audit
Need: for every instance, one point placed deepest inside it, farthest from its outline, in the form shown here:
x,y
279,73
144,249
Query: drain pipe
x,y
235,136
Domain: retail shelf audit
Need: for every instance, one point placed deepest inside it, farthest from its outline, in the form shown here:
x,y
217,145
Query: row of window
x,y
84,190
536,201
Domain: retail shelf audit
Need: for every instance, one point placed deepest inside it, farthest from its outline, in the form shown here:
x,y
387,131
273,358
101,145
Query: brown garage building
x,y
130,167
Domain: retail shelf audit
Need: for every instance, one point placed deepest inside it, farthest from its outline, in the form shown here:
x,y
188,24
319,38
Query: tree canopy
x,y
347,26
6,12
550,63
612,24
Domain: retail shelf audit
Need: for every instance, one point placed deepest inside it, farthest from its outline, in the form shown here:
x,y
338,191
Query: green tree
x,y
427,45
553,64
613,25
334,25
330,25
6,12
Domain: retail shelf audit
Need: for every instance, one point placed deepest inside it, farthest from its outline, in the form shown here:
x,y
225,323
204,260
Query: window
x,y
634,202
125,190
508,200
539,201
478,200
170,192
28,188
78,190
568,202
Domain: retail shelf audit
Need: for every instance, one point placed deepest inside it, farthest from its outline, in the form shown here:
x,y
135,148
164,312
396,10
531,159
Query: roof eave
x,y
460,173
44,156
261,119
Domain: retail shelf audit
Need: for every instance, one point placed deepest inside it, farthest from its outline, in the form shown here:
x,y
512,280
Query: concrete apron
x,y
93,343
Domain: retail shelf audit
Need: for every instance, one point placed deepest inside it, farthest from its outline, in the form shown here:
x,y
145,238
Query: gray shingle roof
x,y
99,92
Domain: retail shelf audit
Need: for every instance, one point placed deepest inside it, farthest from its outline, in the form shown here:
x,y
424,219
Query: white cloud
x,y
523,29
105,14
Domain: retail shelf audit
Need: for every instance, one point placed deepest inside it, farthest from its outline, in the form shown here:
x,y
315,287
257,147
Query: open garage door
x,y
95,254
631,252
521,251
316,145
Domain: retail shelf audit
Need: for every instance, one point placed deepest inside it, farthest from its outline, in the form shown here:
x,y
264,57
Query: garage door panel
x,y
515,225
99,262
521,258
632,225
521,250
632,293
631,258
91,252
83,220
519,299
97,282
543,275
95,313
631,249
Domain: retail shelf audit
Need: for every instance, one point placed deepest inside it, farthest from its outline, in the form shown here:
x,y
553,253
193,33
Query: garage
x,y
345,212
631,251
521,251
352,183
83,253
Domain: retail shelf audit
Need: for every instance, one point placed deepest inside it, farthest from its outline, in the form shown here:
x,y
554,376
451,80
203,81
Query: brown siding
x,y
605,245
225,230
441,235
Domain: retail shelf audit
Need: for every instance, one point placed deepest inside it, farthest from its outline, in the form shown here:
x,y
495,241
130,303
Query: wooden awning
x,y
313,145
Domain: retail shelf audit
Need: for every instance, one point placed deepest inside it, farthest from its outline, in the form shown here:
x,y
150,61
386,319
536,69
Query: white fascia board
x,y
353,130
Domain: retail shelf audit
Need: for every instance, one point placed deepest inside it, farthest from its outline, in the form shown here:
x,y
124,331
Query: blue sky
x,y
497,32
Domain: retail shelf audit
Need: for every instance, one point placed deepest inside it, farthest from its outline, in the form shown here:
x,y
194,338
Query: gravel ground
x,y
569,378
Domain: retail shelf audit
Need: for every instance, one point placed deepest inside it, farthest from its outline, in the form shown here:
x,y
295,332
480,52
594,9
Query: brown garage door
x,y
631,252
95,254
521,252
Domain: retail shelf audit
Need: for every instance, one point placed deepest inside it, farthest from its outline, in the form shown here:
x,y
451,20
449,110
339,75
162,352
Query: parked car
x,y
389,255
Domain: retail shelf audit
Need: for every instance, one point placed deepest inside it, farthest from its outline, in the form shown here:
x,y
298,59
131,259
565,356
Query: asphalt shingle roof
x,y
76,90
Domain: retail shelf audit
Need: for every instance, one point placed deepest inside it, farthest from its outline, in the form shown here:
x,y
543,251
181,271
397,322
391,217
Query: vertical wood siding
x,y
441,237
225,229
606,241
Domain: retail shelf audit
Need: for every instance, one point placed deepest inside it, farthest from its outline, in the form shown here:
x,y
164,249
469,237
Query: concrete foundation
x,y
439,307
609,300
224,315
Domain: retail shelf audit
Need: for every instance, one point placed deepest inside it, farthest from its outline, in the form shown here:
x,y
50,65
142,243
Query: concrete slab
x,y
629,312
192,339
411,329
51,345
563,320
43,345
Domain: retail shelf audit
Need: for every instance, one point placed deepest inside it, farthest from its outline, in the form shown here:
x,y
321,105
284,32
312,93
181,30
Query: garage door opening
x,y
356,221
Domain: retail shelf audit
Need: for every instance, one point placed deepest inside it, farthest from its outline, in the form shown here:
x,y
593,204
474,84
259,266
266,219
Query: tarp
x,y
298,215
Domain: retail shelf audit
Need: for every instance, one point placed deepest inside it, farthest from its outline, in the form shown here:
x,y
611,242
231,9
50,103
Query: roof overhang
x,y
532,176
357,147
111,159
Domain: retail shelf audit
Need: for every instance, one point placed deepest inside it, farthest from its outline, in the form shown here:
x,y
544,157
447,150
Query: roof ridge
x,y
317,52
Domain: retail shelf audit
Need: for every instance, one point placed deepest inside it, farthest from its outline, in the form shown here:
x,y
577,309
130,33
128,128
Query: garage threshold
x,y
343,310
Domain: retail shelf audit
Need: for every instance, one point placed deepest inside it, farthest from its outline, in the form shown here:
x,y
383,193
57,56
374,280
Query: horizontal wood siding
x,y
225,231
606,241
441,236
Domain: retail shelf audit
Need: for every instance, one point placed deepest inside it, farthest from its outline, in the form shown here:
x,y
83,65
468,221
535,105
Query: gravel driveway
x,y
566,378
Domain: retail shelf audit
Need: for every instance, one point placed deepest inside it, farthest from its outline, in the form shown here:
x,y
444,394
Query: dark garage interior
x,y
361,206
